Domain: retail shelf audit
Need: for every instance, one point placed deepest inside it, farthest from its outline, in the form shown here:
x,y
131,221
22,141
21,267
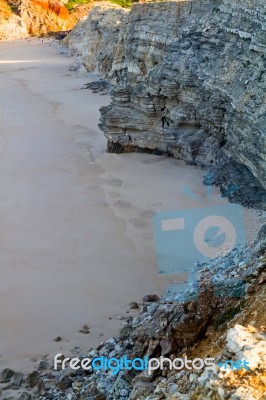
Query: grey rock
x,y
25,396
93,353
16,379
44,364
33,379
136,321
141,389
123,393
7,374
133,305
150,298
172,388
94,39
193,378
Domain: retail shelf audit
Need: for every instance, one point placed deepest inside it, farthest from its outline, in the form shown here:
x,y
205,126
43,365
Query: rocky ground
x,y
222,315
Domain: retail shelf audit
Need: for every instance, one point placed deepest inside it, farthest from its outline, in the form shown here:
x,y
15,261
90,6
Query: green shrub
x,y
122,3
71,4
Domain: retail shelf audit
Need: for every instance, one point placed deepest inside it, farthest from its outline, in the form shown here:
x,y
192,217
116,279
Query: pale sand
x,y
76,233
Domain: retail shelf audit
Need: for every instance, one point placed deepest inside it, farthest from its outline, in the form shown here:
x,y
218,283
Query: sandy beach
x,y
76,238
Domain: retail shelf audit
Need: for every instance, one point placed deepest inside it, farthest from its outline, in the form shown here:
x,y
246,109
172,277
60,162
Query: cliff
x,y
95,38
11,25
22,18
189,80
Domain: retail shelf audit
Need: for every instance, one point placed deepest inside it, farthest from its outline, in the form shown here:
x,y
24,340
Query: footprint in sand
x,y
155,160
112,181
114,194
122,204
147,214
138,223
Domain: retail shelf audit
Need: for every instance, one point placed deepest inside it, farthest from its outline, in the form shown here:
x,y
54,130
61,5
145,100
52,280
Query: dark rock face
x,y
189,80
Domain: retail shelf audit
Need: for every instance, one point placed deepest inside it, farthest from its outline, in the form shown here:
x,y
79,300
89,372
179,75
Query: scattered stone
x,y
33,379
123,393
44,364
84,330
65,383
16,379
136,321
150,298
7,374
193,378
133,305
141,389
25,396
125,332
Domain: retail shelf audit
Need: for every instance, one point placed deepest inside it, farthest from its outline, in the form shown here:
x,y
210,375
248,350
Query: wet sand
x,y
76,240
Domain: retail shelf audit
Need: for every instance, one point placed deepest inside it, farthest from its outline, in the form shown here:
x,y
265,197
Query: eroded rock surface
x,y
189,80
95,38
22,18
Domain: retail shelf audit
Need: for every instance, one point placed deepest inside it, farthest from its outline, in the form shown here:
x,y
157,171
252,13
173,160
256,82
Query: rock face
x,y
95,38
11,25
33,17
189,80
45,16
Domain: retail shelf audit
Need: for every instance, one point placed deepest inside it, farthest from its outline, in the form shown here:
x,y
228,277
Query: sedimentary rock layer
x,y
189,80
95,38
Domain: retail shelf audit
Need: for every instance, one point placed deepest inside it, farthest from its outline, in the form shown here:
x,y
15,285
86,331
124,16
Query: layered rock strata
x,y
95,38
189,80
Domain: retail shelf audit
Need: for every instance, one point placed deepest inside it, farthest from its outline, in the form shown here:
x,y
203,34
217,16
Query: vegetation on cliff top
x,y
72,4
